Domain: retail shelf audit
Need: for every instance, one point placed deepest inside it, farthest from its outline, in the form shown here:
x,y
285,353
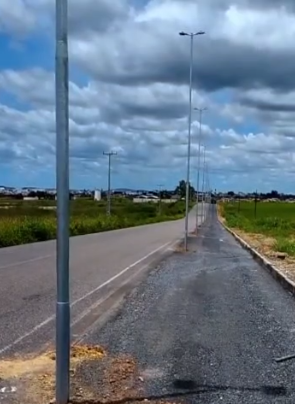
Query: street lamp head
x,y
182,33
201,109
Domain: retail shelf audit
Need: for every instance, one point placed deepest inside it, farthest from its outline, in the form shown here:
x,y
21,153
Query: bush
x,y
32,221
275,219
285,245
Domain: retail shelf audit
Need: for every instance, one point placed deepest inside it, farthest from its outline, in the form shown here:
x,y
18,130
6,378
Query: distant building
x,y
97,195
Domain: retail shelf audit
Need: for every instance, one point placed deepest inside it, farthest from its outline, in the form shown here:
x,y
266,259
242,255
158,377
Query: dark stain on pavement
x,y
32,297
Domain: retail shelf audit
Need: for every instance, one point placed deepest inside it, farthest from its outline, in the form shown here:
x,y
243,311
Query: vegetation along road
x,y
31,221
266,226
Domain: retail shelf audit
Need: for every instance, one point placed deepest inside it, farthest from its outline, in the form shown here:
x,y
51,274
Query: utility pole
x,y
62,190
160,197
109,154
201,110
191,35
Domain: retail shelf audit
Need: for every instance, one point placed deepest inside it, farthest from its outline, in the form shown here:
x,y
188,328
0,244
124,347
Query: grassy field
x,y
273,219
24,222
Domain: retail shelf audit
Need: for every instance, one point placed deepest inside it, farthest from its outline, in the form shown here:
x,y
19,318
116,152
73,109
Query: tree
x,y
274,194
181,189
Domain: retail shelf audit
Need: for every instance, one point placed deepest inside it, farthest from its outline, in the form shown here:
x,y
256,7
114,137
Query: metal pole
x,y
198,167
189,142
109,154
206,195
203,185
201,110
208,211
208,207
210,193
191,35
109,187
62,185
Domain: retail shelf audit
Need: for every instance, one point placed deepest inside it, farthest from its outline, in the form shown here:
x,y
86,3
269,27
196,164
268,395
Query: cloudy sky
x,y
129,72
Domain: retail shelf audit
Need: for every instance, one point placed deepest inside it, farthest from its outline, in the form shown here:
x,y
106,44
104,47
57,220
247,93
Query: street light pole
x,y
208,192
62,192
203,185
109,154
191,35
206,196
201,110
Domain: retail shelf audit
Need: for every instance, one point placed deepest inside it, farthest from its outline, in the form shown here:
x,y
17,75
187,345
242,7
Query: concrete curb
x,y
275,272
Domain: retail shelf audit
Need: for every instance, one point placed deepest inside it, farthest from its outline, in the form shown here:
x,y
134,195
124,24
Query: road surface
x,y
98,262
204,327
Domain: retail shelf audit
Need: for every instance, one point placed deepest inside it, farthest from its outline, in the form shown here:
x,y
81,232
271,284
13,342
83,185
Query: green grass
x,y
24,222
274,219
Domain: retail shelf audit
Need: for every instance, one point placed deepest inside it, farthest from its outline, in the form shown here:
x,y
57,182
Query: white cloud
x,y
19,19
258,28
135,96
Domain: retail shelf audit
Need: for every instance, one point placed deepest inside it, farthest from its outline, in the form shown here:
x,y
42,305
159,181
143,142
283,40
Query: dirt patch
x,y
34,376
179,249
115,379
95,378
265,246
112,379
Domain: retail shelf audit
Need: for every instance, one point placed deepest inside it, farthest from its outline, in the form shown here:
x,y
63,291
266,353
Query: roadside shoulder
x,y
277,273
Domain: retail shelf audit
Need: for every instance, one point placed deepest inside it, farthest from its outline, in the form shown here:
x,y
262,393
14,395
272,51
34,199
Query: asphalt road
x,y
28,278
205,326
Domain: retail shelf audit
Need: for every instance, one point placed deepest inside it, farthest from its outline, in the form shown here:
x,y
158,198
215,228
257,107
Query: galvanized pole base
x,y
62,352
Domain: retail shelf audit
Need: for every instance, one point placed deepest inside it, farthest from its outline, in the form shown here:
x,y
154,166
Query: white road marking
x,y
51,318
15,264
79,338
103,299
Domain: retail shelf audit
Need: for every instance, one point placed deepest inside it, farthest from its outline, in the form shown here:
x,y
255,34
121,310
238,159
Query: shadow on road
x,y
197,389
191,388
